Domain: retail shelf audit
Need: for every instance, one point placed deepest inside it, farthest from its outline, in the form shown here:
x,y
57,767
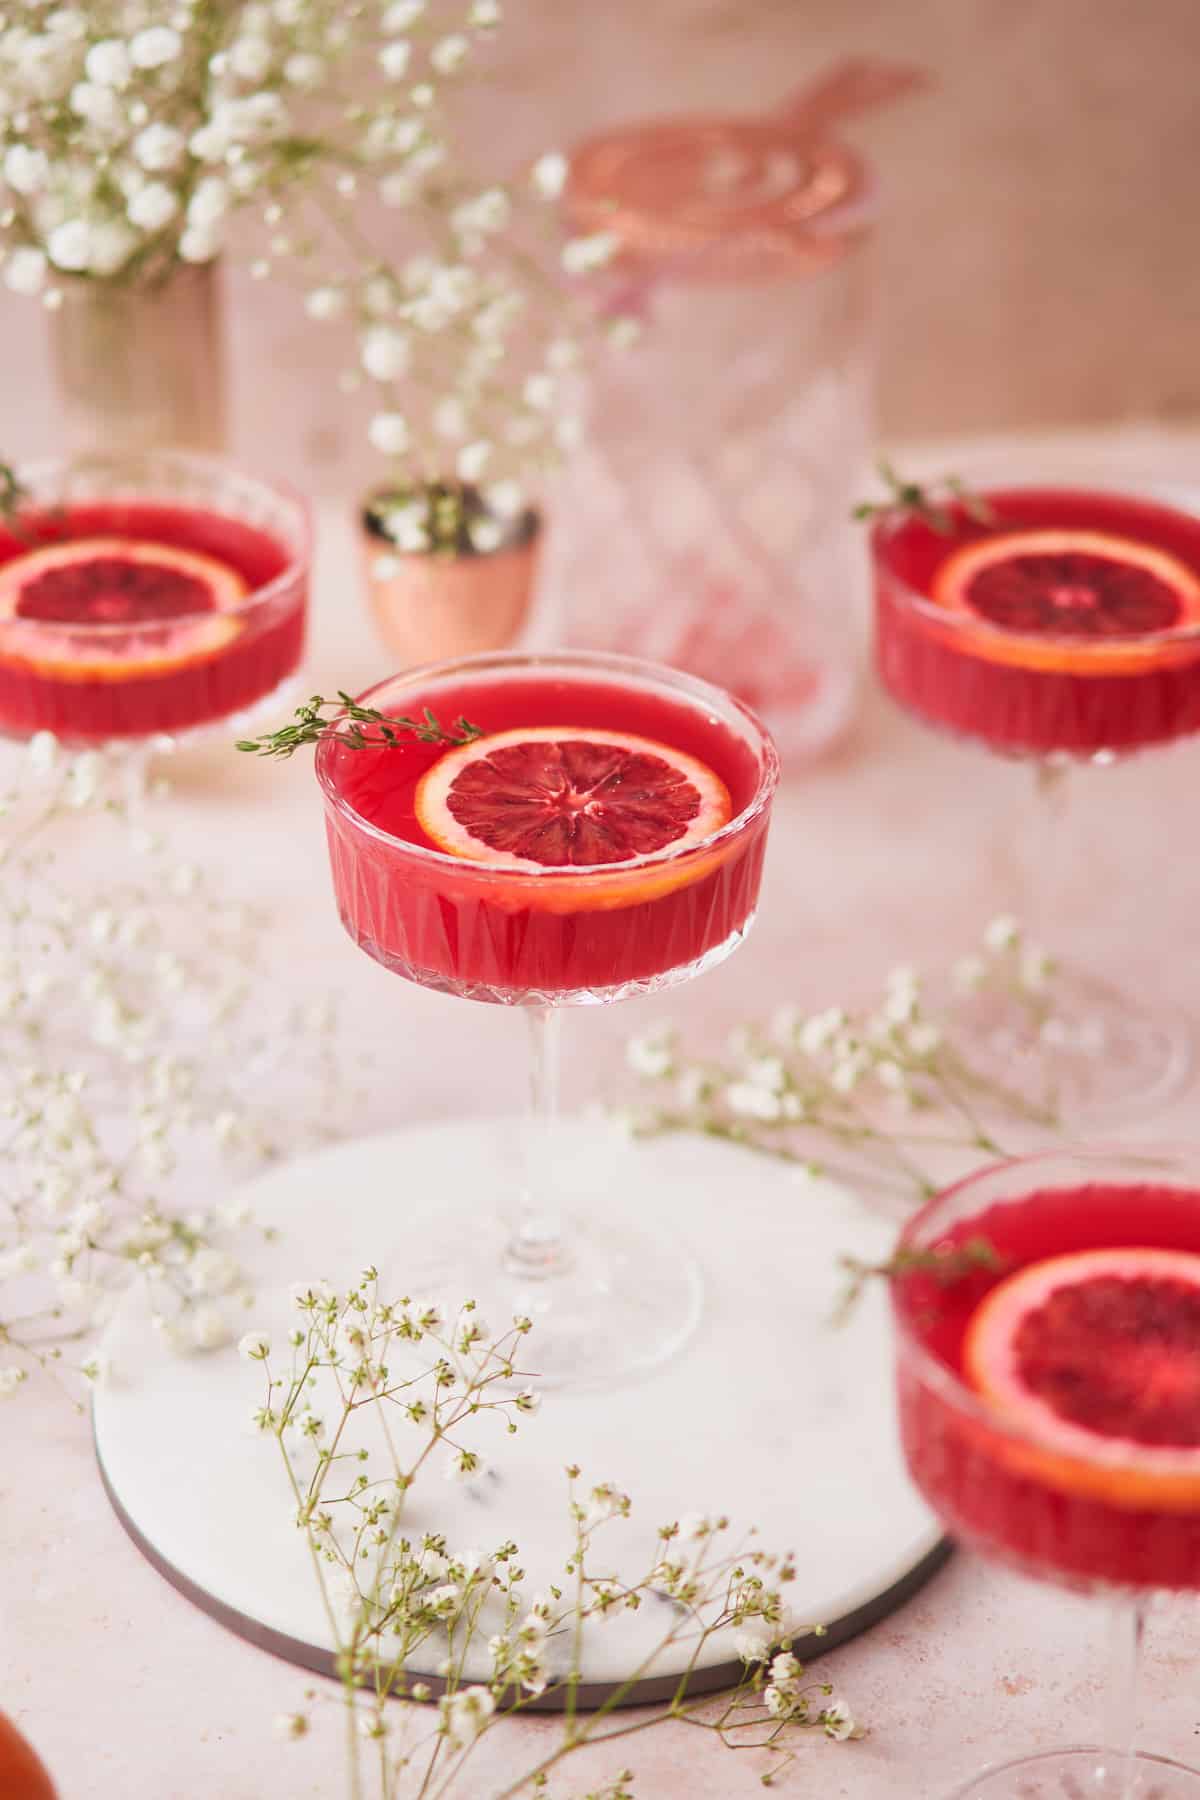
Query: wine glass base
x,y
1084,1050
1084,1774
625,1299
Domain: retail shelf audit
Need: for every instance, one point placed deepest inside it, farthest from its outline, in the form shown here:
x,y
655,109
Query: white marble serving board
x,y
770,1415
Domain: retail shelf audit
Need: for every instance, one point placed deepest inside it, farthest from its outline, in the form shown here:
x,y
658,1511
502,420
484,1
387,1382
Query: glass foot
x,y
1084,1774
1085,1049
609,1301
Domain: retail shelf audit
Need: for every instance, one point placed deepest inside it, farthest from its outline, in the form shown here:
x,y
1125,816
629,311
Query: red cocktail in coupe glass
x,y
1049,1395
603,837
145,596
1058,624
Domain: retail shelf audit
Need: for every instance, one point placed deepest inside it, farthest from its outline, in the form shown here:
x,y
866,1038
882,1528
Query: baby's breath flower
x,y
153,206
386,353
25,270
583,255
969,974
653,1053
401,15
750,1101
752,1646
325,303
290,1726
549,174
449,53
389,433
838,1721
1002,933
465,1715
394,59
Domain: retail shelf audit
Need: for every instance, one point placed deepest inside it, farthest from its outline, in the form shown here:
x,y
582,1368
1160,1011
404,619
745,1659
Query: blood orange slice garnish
x,y
564,797
1099,592
179,600
1096,1357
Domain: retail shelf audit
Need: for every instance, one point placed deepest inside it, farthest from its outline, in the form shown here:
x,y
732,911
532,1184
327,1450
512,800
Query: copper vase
x,y
432,605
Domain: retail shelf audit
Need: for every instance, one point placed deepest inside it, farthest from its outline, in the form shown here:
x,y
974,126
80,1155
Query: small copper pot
x,y
431,605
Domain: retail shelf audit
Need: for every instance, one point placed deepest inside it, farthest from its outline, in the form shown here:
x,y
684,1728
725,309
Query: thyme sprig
x,y
946,1263
313,726
12,491
937,503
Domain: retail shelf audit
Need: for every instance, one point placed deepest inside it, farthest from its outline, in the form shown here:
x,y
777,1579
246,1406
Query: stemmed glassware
x,y
601,837
1048,1364
145,597
1057,624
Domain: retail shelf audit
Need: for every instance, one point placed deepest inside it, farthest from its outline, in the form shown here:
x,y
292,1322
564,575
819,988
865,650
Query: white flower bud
x,y
209,203
70,245
1002,933
325,303
250,58
159,148
303,70
581,255
549,174
400,16
449,53
25,170
154,47
385,353
25,270
389,434
394,60
108,64
153,206
472,459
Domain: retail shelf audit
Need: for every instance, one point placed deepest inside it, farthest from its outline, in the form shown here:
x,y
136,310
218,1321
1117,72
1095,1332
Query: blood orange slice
x,y
568,798
1070,599
1096,1356
162,606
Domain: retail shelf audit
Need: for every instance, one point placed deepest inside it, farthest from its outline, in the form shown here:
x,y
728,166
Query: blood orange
x,y
1067,598
1095,1356
22,1775
178,600
561,798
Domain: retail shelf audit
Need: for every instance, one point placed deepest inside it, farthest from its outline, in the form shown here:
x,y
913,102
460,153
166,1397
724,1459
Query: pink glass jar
x,y
706,521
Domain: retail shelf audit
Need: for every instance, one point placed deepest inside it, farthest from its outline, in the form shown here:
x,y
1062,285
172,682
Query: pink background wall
x,y
1039,256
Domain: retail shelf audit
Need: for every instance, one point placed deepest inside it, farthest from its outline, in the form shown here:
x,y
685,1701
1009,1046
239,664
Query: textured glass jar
x,y
706,521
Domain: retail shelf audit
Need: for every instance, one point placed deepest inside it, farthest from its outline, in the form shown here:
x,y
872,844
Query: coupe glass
x,y
1084,671
1095,1518
144,673
610,1295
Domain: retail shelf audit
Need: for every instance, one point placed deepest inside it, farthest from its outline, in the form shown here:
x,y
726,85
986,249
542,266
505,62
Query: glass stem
x,y
536,1248
1047,858
1127,1620
133,761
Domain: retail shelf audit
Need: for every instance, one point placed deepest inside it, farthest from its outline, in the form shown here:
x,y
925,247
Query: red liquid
x,y
156,677
958,674
967,1472
500,936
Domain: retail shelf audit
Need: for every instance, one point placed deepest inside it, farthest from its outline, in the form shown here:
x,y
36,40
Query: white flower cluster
x,y
834,1075
127,1029
130,138
361,1372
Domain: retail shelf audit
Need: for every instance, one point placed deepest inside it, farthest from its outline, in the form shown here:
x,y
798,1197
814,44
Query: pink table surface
x,y
896,847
